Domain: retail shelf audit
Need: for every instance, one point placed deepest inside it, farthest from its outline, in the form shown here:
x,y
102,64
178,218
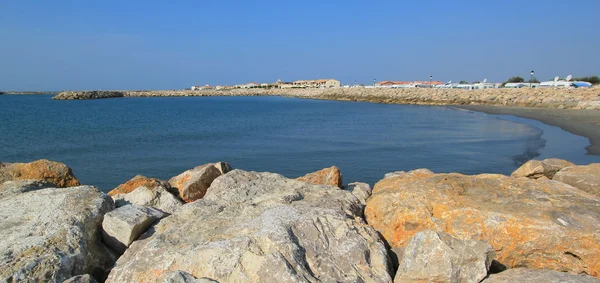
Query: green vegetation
x,y
463,82
515,80
533,81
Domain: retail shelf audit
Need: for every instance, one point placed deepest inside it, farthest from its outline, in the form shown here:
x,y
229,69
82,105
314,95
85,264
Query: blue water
x,y
109,141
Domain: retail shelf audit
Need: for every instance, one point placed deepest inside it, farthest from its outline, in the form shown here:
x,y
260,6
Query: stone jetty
x,y
582,98
213,223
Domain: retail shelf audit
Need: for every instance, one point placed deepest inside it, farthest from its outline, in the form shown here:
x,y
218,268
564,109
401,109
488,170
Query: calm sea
x,y
109,141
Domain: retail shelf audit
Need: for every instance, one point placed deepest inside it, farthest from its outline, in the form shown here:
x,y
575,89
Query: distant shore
x,y
29,92
580,122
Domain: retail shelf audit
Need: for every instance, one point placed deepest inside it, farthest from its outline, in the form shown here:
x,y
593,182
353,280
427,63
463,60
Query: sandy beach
x,y
580,122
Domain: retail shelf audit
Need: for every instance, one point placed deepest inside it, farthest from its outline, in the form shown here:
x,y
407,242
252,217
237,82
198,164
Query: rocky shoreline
x,y
213,223
540,98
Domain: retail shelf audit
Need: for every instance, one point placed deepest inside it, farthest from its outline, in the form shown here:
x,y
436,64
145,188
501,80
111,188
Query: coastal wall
x,y
541,98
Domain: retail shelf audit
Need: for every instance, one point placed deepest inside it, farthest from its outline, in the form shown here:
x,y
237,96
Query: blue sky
x,y
55,45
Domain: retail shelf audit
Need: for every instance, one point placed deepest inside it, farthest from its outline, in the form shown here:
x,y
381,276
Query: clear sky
x,y
117,44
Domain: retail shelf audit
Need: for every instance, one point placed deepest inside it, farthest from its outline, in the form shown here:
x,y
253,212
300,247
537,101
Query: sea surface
x,y
109,141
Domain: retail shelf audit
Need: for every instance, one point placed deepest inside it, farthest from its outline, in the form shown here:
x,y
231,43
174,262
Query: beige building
x,y
321,83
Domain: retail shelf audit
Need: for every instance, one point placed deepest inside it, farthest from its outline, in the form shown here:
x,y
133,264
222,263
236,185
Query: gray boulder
x,y
261,227
538,276
145,191
183,277
53,234
362,191
81,279
125,224
433,256
21,186
585,177
535,169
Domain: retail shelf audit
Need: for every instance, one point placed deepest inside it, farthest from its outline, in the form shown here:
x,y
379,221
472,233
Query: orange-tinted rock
x,y
328,176
136,182
535,169
530,223
55,172
585,178
193,184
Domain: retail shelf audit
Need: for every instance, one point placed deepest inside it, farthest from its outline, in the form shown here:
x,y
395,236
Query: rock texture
x,y
192,184
125,224
183,277
585,178
52,234
81,279
437,257
530,223
70,95
146,191
16,187
329,176
55,172
261,227
538,276
362,191
535,169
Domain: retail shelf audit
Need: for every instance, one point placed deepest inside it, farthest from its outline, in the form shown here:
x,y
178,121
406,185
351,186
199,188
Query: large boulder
x,y
530,223
331,176
52,234
55,172
535,169
146,191
585,178
432,256
125,224
192,184
261,227
538,276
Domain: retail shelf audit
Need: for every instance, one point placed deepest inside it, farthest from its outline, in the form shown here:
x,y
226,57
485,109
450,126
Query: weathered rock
x,y
55,172
21,186
538,276
362,191
224,167
182,277
147,192
81,279
530,223
125,224
437,257
585,178
53,234
329,176
412,173
261,227
192,184
535,169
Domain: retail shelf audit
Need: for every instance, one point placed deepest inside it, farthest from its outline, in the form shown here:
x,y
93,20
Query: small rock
x,y
125,224
535,169
224,167
585,178
193,184
538,276
329,176
362,191
433,256
146,191
54,172
81,279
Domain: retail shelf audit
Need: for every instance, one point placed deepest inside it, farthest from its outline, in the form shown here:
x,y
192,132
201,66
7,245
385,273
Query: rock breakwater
x,y
417,226
70,95
588,98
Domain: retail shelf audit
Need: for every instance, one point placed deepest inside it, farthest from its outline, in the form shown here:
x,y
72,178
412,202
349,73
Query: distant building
x,y
196,87
321,83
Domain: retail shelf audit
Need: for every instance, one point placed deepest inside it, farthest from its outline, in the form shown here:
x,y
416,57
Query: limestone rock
x,y
81,279
224,167
538,276
535,169
146,191
55,172
362,191
437,257
183,277
53,234
585,178
21,186
530,223
329,176
125,224
417,172
261,227
192,184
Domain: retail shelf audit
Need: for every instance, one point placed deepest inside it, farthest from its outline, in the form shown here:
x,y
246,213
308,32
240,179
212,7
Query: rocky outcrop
x,y
585,177
96,94
125,224
192,184
530,223
81,279
437,257
535,169
261,227
538,276
146,191
52,234
329,176
55,172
